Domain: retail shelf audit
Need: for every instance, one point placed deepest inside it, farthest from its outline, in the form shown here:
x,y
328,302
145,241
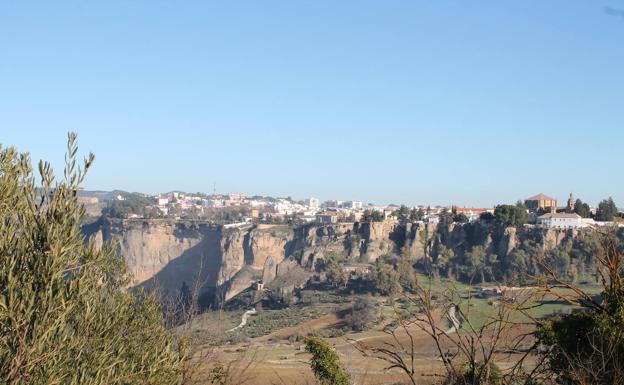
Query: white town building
x,y
562,221
353,205
313,203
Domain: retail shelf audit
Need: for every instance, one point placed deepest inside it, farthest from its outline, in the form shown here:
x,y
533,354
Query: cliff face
x,y
499,241
226,261
164,254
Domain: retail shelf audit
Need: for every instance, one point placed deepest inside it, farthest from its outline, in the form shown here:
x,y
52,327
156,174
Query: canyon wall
x,y
163,253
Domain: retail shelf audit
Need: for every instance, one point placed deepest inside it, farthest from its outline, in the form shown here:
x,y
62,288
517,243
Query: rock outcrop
x,y
164,254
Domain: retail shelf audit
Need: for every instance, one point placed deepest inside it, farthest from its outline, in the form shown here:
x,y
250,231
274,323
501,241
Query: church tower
x,y
571,204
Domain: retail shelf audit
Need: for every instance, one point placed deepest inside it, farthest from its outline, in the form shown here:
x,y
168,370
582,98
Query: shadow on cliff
x,y
198,265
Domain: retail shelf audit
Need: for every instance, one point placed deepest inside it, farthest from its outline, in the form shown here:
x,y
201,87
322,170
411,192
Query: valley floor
x,y
269,348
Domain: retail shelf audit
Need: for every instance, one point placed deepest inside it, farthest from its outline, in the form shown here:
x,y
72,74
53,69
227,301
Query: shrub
x,y
479,374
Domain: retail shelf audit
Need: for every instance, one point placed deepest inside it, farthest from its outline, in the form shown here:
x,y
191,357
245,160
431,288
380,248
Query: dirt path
x,y
453,318
244,319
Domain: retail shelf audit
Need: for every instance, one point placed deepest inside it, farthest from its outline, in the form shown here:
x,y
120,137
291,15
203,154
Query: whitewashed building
x,y
353,205
313,203
562,221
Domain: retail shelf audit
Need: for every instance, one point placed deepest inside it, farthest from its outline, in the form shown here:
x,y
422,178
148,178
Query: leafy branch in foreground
x,y
587,346
325,363
65,316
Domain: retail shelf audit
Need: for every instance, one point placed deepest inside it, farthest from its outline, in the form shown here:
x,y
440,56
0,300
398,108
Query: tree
x,y
607,210
362,313
335,276
446,217
487,217
402,212
405,268
475,258
64,314
443,261
560,260
582,209
130,204
325,363
510,215
460,218
184,308
416,215
521,264
373,215
423,237
479,374
387,280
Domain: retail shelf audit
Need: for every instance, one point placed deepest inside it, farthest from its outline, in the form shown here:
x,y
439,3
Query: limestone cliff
x,y
499,241
164,253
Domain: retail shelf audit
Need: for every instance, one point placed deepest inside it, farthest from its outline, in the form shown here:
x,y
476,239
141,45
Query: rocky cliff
x,y
164,254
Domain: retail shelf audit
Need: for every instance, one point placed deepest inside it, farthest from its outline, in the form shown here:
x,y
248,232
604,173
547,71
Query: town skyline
x,y
339,200
241,210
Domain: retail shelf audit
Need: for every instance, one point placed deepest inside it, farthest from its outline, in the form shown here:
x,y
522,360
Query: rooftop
x,y
559,215
540,197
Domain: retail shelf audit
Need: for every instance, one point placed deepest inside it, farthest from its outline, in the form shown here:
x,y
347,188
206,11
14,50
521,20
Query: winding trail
x,y
244,319
451,316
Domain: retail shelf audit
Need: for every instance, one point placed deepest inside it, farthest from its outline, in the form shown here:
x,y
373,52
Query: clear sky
x,y
417,102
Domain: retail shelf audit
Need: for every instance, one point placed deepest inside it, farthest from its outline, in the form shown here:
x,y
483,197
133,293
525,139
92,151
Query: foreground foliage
x,y
64,315
325,363
587,347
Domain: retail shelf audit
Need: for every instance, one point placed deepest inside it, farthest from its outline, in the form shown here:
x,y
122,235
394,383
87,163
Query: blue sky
x,y
418,102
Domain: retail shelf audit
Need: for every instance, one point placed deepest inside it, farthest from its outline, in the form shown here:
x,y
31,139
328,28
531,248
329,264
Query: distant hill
x,y
101,195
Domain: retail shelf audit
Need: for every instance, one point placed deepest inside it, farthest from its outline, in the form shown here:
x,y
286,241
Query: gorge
x,y
227,260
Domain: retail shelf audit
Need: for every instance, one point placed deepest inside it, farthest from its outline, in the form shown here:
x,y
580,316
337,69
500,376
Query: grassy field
x,y
272,339
482,310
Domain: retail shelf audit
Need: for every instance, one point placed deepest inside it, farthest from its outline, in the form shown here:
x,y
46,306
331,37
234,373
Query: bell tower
x,y
571,204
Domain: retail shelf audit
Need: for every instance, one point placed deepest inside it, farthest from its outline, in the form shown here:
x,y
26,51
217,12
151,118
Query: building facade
x,y
541,201
562,221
